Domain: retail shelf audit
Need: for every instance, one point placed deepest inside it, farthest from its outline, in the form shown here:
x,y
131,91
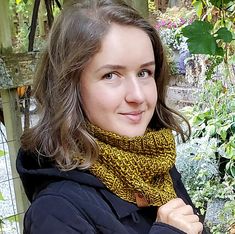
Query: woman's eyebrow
x,y
111,67
116,67
148,64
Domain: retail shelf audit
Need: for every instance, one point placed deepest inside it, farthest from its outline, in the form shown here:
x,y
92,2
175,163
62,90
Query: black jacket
x,y
77,202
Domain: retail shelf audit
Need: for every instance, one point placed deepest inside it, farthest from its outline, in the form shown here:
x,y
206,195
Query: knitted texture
x,y
136,165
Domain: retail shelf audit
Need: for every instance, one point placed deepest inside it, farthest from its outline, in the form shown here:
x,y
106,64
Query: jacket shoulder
x,y
73,205
54,214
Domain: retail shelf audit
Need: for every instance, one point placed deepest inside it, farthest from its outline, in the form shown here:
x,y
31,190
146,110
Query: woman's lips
x,y
133,116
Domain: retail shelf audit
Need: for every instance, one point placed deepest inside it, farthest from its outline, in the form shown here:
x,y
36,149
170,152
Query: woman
x,y
101,158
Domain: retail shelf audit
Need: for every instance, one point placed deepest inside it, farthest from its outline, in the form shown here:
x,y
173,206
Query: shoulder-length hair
x,y
74,39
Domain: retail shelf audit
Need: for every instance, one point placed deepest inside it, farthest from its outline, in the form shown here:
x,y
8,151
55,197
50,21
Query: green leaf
x,y
198,5
230,168
230,152
211,130
206,45
209,16
13,218
197,28
232,141
232,171
223,134
219,51
200,40
2,153
217,3
220,3
224,34
1,197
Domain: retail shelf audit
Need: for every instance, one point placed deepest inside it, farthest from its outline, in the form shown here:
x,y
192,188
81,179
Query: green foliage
x,y
213,33
226,216
1,222
151,6
21,16
214,62
207,6
1,197
202,40
196,160
21,13
207,162
220,3
224,34
8,220
216,118
197,163
13,218
198,7
2,153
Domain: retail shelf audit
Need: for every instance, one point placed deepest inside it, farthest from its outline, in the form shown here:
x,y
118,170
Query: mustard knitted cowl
x,y
136,165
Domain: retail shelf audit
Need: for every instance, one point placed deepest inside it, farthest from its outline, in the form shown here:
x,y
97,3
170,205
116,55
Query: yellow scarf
x,y
137,165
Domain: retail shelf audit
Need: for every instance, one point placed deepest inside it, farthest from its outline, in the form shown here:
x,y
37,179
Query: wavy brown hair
x,y
74,39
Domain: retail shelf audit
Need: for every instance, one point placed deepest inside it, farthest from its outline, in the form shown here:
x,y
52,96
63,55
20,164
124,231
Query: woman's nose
x,y
134,91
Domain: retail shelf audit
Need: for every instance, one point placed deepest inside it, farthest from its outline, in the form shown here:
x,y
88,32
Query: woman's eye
x,y
110,76
144,74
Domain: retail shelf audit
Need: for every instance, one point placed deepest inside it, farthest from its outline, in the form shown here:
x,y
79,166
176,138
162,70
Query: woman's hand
x,y
177,214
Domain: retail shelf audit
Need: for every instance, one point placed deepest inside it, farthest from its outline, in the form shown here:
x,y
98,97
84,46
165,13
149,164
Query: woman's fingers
x,y
184,210
192,218
190,227
169,207
175,203
198,226
176,213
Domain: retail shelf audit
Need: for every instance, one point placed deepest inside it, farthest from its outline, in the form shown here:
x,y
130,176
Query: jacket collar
x,y
37,172
122,208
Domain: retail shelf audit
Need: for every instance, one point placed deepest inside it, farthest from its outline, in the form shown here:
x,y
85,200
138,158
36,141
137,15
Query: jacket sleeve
x,y
160,228
55,215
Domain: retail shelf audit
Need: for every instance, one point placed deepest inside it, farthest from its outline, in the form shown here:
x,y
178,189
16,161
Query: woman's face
x,y
118,89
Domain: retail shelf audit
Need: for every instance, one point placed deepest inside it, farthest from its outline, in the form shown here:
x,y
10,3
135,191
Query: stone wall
x,y
17,69
184,90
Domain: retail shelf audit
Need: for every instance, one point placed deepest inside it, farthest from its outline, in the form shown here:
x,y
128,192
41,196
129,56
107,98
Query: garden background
x,y
199,38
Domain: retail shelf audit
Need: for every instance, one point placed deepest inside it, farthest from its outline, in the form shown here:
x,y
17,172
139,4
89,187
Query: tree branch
x,y
33,25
